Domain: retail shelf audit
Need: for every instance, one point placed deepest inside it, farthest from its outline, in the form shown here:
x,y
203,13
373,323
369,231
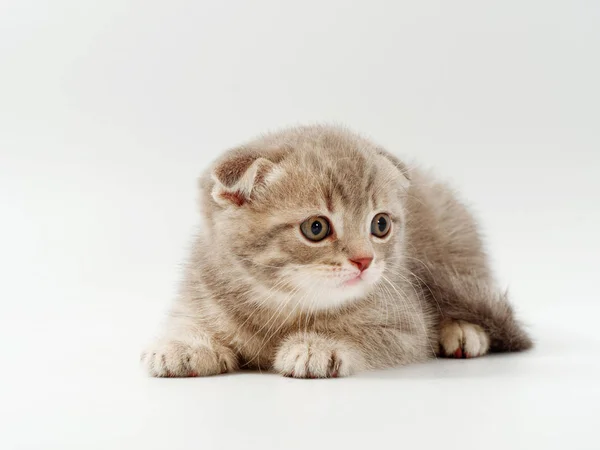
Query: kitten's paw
x,y
310,355
459,339
181,359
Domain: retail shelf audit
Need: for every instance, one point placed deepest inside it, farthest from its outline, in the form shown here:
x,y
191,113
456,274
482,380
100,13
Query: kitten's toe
x,y
181,359
459,339
314,356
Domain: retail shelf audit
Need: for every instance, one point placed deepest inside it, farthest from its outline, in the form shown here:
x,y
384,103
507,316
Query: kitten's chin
x,y
318,291
350,291
321,296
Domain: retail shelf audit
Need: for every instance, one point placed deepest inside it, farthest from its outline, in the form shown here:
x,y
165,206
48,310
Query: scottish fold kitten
x,y
322,255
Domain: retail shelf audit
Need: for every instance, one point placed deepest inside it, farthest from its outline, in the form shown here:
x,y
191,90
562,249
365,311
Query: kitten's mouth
x,y
353,281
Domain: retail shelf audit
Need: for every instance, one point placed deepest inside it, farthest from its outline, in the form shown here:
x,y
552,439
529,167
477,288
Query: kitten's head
x,y
313,216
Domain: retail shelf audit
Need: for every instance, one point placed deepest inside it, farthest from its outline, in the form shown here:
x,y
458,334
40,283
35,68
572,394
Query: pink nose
x,y
362,263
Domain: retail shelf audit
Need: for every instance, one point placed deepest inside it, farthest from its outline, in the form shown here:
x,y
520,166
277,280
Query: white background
x,y
109,110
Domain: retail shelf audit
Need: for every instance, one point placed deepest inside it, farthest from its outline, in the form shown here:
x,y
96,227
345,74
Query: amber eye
x,y
315,228
381,224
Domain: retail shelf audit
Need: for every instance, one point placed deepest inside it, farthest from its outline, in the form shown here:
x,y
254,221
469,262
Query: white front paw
x,y
181,359
310,355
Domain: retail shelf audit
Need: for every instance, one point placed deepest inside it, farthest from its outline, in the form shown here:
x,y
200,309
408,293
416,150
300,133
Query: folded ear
x,y
404,172
239,175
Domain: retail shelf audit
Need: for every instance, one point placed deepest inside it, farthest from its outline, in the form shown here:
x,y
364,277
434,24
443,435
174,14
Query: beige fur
x,y
258,294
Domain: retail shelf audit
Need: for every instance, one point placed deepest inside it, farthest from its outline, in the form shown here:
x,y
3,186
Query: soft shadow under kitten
x,y
322,255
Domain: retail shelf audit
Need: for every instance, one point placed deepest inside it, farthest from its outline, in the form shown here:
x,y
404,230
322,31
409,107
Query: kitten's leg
x,y
324,355
187,349
314,355
459,339
448,260
188,357
474,312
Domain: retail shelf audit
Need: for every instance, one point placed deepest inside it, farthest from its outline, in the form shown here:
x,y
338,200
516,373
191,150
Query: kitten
x,y
322,255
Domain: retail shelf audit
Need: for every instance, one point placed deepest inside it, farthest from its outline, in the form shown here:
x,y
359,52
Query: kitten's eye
x,y
315,228
381,224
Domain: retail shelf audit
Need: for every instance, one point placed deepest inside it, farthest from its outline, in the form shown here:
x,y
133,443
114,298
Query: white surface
x,y
108,112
